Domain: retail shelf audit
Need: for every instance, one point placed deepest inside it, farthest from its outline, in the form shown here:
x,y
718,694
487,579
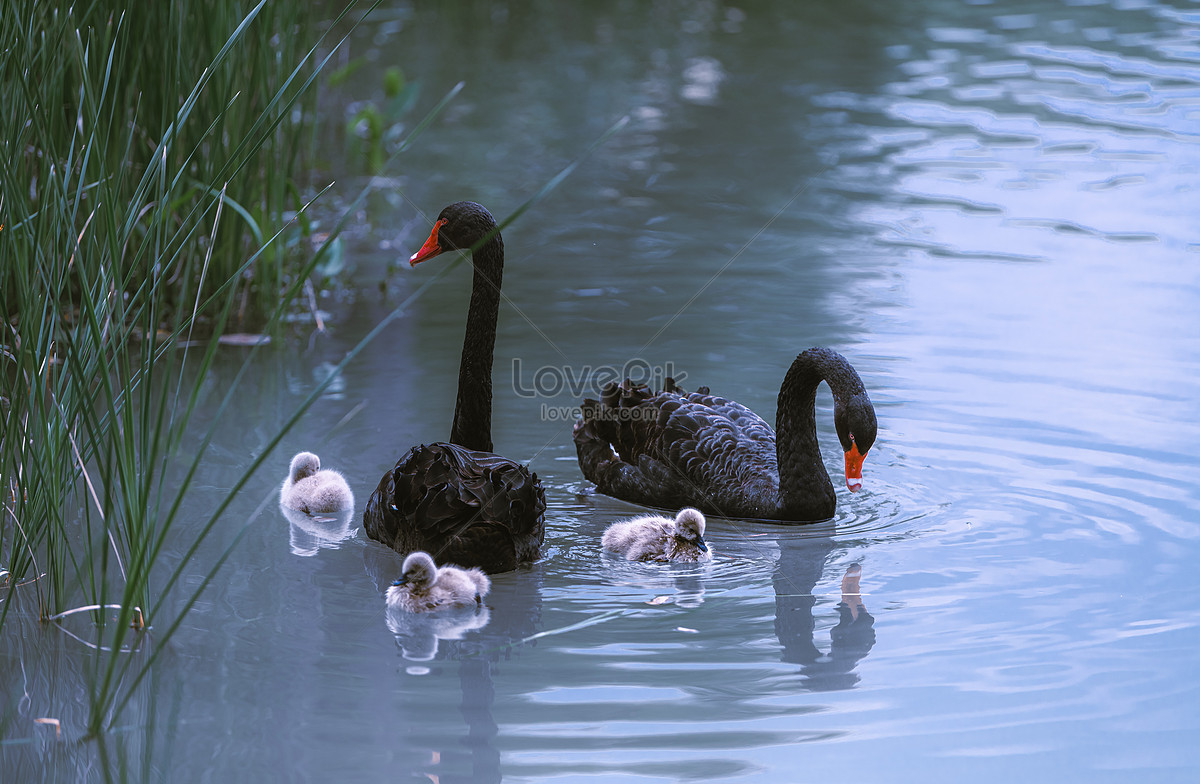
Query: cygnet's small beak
x,y
703,547
401,581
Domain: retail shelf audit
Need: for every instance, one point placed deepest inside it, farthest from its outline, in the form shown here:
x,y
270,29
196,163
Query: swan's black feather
x,y
671,449
458,501
463,507
667,449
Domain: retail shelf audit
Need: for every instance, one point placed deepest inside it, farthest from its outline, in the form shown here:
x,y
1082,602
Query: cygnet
x,y
656,538
424,586
310,489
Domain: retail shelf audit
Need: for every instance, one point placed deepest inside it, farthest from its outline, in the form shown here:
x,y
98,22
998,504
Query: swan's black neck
x,y
804,486
472,427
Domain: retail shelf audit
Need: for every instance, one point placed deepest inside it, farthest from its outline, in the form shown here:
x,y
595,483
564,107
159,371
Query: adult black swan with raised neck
x,y
458,501
671,449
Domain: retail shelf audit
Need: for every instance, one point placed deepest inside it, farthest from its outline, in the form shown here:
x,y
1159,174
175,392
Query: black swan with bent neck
x,y
458,501
670,449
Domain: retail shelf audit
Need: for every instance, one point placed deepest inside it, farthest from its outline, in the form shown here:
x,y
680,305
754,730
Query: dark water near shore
x,y
989,208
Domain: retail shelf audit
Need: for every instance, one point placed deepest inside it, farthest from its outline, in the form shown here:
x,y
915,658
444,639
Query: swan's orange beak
x,y
431,247
854,461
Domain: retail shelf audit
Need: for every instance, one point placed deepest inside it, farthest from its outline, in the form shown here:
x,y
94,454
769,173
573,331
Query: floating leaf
x,y
659,600
333,259
54,722
686,630
343,74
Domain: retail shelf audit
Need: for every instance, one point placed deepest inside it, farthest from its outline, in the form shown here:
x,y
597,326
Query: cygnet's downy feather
x,y
312,490
656,538
424,586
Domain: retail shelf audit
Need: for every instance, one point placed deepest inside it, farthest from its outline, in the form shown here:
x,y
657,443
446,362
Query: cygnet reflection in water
x,y
418,634
310,533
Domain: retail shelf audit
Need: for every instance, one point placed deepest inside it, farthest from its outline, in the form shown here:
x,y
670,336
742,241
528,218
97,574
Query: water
x,y
989,208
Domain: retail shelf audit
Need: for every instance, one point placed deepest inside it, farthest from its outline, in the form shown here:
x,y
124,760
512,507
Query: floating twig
x,y
312,304
138,623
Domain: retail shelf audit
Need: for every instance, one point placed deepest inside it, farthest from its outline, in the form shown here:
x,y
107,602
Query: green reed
x,y
146,186
93,96
145,182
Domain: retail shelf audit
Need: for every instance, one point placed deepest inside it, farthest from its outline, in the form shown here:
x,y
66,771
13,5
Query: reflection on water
x,y
418,634
475,640
800,565
681,584
311,532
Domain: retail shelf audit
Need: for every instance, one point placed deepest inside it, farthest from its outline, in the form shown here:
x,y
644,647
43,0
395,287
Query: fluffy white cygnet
x,y
655,538
312,490
424,587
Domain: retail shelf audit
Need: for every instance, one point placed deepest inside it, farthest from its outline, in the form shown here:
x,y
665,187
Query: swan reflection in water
x,y
799,568
477,641
311,533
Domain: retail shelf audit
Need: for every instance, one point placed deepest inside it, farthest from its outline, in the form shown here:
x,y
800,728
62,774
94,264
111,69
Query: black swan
x,y
670,449
457,500
657,538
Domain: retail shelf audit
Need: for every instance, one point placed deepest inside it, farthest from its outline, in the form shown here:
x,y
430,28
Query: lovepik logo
x,y
552,381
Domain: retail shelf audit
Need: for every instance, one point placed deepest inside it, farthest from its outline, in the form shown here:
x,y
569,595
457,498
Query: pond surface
x,y
989,208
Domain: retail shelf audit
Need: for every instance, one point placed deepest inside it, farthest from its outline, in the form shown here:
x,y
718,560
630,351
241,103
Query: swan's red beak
x,y
854,461
431,247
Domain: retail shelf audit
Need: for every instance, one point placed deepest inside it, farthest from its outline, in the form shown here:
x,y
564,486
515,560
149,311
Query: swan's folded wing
x,y
673,449
465,507
707,429
722,448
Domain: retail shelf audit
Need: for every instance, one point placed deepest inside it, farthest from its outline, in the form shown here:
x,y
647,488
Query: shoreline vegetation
x,y
151,165
149,202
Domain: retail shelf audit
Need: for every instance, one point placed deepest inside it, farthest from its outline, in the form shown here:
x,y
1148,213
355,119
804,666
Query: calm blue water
x,y
990,208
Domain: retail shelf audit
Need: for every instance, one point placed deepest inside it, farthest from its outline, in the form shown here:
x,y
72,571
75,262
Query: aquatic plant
x,y
135,228
145,182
